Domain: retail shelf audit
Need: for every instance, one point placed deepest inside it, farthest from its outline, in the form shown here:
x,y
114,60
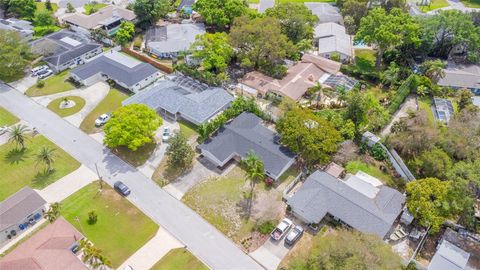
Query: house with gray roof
x,y
180,97
65,49
242,135
124,70
462,76
168,40
360,201
23,28
19,211
331,39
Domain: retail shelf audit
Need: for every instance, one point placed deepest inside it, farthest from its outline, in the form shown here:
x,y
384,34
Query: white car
x,y
45,74
38,69
3,130
166,134
282,228
294,235
102,119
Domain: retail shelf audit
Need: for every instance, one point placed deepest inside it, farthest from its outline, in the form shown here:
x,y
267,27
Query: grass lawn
x,y
136,158
434,4
6,118
179,259
19,168
471,3
111,102
355,166
121,228
302,1
189,130
425,104
365,60
92,8
253,1
41,6
55,84
55,106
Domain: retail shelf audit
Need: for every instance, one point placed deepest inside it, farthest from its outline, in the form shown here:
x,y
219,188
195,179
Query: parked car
x,y
121,188
294,235
38,69
47,73
282,228
166,134
3,130
102,119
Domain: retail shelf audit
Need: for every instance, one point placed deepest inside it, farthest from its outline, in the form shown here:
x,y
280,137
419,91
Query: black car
x,y
121,188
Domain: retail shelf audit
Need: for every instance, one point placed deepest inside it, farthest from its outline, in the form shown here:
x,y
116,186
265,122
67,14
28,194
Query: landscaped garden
x,y
20,168
65,106
6,118
52,85
120,228
178,259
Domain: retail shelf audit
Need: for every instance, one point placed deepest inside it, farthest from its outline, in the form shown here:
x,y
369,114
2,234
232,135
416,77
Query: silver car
x,y
294,235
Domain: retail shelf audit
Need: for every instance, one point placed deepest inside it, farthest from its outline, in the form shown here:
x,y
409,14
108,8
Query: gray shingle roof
x,y
449,256
246,133
198,106
173,37
322,193
18,206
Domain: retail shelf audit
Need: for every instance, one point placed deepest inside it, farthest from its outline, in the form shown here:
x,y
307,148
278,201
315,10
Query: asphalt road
x,y
201,238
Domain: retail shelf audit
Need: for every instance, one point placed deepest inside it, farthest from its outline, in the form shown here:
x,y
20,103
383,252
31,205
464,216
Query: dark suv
x,y
121,188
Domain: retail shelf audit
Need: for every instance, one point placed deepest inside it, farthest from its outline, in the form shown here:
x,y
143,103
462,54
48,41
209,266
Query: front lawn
x,y
471,3
354,166
121,228
110,103
138,157
434,4
19,167
54,84
55,106
6,118
178,259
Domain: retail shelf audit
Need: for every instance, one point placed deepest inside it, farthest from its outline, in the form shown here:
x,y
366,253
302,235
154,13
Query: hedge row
x,y
401,94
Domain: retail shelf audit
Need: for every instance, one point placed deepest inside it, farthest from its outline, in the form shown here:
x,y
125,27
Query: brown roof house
x,y
300,77
19,211
49,249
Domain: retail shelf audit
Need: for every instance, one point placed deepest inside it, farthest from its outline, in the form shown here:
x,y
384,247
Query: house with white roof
x,y
332,38
169,40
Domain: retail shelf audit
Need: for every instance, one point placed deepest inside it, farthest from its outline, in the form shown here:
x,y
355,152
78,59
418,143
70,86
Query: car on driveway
x,y
45,74
102,119
121,188
166,134
294,235
3,130
39,69
282,228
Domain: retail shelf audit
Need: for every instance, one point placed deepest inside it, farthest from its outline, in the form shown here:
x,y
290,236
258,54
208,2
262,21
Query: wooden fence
x,y
149,60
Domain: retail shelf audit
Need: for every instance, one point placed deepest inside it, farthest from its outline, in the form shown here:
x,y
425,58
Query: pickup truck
x,y
282,228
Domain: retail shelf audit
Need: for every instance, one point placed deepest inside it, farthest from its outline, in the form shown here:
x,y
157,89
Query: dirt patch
x,y
268,205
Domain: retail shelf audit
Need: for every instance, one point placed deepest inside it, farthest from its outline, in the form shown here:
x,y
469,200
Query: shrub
x,y
378,152
92,217
266,227
41,31
40,83
401,94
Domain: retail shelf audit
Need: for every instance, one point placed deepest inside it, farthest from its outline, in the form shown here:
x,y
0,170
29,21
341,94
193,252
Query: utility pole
x,y
99,177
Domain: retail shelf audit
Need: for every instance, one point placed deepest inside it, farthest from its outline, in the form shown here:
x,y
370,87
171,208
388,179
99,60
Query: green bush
x,y
378,152
401,94
41,31
40,83
92,217
266,227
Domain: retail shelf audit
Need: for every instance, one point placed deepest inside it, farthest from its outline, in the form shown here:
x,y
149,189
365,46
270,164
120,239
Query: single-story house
x,y
182,97
65,49
300,77
443,109
243,134
126,71
18,211
360,201
168,40
22,27
332,39
52,248
462,76
107,19
326,12
456,251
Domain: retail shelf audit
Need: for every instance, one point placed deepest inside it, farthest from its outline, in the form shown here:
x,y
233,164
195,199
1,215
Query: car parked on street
x,y
166,134
282,228
102,120
3,130
293,236
121,188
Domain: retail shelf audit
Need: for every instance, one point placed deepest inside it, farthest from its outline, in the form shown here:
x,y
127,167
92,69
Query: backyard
x,y
54,84
178,259
121,229
434,4
19,167
93,7
425,104
63,112
41,6
372,169
365,60
6,118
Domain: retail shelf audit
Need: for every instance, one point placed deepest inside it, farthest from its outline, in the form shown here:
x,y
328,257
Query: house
x,y
180,97
456,251
265,4
169,40
23,28
19,211
52,248
65,49
326,12
246,134
462,76
442,109
360,201
124,70
107,20
332,39
300,77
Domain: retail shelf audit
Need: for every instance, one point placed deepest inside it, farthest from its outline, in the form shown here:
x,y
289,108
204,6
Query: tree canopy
x,y
179,153
131,126
24,9
150,11
213,50
125,33
220,13
13,55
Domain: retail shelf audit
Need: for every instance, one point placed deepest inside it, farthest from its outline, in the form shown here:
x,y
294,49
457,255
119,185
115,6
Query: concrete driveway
x,y
23,84
271,253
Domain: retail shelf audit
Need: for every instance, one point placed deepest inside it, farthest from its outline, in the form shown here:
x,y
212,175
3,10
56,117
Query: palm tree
x,y
93,255
434,69
254,167
46,156
53,212
18,135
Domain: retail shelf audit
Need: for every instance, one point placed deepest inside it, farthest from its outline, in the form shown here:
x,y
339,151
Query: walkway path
x,y
201,238
410,104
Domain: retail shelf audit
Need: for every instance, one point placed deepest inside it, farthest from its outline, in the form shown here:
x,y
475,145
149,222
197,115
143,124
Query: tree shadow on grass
x,y
42,179
15,156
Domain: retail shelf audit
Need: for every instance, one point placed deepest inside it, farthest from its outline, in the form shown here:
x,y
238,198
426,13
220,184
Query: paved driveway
x,y
201,238
23,84
271,253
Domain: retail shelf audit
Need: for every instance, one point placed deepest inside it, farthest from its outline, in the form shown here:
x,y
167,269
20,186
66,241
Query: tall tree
x,y
296,20
434,69
125,33
179,153
18,134
353,11
220,13
213,50
387,30
254,167
433,163
43,18
47,157
13,55
24,9
390,76
131,126
150,11
53,212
